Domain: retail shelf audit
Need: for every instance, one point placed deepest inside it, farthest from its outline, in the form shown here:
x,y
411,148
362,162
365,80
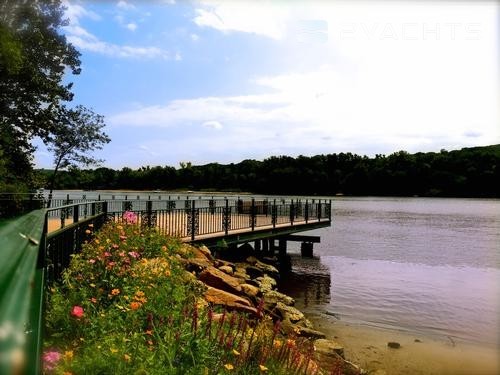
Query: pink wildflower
x,y
91,261
130,217
134,254
123,238
77,312
107,254
50,360
115,246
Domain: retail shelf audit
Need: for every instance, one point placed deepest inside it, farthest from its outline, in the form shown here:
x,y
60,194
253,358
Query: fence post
x,y
319,210
330,211
292,212
306,215
149,212
76,213
226,217
274,213
252,214
193,220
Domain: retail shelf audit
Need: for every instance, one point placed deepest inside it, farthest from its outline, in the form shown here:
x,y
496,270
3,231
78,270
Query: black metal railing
x,y
66,229
195,218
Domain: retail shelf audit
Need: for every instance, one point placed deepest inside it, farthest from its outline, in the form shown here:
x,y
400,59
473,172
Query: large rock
x,y
329,347
331,362
230,301
266,268
206,251
200,253
227,270
220,280
272,297
266,283
310,333
196,265
289,313
250,290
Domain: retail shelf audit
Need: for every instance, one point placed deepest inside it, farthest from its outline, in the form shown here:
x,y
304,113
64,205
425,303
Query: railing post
x,y
252,214
76,213
306,215
330,210
193,220
92,208
226,217
149,212
274,213
292,212
319,210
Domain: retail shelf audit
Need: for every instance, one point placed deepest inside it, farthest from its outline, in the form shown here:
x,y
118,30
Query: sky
x,y
224,81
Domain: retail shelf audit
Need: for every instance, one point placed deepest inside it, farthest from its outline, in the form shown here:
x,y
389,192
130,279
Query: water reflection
x,y
308,283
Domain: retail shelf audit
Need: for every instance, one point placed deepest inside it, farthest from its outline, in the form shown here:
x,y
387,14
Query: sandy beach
x,y
418,355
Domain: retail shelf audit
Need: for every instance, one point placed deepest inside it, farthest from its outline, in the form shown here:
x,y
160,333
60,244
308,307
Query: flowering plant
x,y
127,305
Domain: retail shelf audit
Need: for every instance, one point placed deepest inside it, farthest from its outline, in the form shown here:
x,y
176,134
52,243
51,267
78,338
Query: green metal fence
x,y
30,257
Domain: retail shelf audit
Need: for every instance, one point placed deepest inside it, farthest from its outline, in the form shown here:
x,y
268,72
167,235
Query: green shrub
x,y
127,306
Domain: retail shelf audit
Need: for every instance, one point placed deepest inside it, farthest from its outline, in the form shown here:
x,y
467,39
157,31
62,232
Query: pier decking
x,y
206,220
214,223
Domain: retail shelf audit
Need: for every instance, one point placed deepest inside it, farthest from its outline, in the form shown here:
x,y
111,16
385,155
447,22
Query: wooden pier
x,y
265,224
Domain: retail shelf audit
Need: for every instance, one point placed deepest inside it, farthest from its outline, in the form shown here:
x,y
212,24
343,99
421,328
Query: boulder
x,y
333,363
266,283
230,301
198,253
206,251
272,297
309,333
289,313
195,264
227,269
329,347
266,268
254,272
250,290
219,280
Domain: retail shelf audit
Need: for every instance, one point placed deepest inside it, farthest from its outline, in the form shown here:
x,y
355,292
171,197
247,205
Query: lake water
x,y
423,265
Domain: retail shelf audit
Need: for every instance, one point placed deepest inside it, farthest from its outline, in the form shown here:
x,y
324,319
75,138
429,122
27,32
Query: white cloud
x,y
262,18
84,40
392,78
124,5
212,125
74,12
131,26
194,37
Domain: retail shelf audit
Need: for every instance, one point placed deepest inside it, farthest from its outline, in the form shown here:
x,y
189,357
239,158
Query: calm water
x,y
429,266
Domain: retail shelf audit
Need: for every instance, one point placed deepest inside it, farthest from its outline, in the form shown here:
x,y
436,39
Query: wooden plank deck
x,y
210,227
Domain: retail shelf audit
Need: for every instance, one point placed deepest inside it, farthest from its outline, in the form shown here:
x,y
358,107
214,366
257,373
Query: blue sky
x,y
221,81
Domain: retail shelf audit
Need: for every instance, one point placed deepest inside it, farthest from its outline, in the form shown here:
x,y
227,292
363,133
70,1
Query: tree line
x,y
469,172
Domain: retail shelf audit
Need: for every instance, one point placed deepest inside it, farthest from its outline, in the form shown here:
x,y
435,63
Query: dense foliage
x,y
470,172
35,60
127,306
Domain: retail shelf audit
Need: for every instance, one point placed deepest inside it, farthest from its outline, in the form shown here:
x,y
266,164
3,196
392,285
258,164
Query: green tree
x,y
81,132
34,58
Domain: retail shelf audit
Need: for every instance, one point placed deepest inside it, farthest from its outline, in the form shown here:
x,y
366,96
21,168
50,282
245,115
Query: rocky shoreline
x,y
242,284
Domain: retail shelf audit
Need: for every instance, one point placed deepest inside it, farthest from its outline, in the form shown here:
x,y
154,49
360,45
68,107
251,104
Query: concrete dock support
x,y
306,249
